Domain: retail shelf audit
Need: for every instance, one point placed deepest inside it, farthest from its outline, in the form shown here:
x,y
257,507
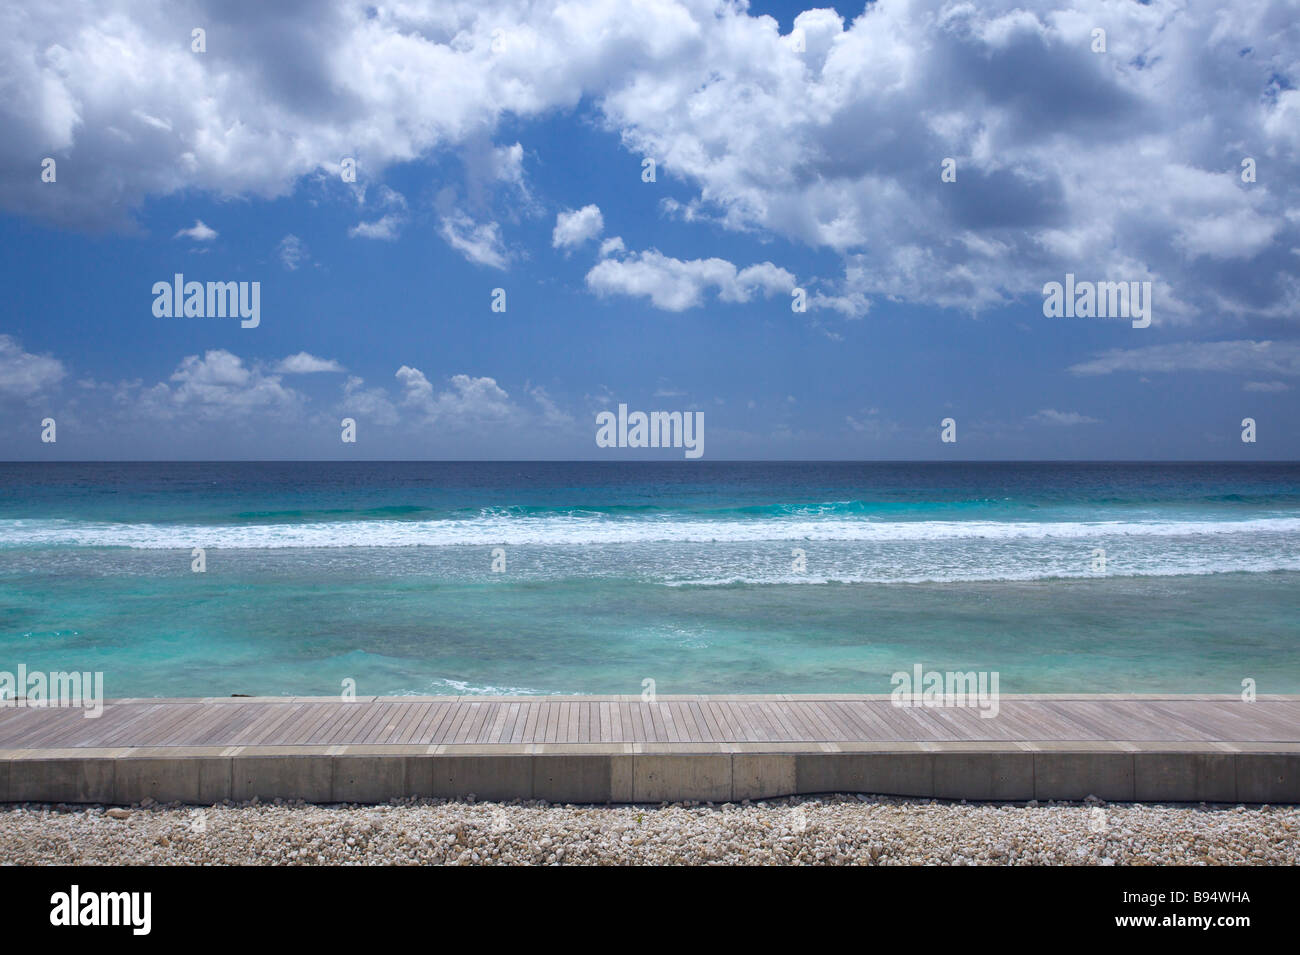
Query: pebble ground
x,y
826,830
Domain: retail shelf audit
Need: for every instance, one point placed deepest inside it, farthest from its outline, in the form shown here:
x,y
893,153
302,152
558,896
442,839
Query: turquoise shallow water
x,y
684,573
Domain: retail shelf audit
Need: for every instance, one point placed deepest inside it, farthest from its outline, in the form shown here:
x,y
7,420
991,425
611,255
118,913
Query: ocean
x,y
705,577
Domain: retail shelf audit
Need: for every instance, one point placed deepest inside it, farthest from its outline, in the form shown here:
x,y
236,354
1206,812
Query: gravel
x,y
830,830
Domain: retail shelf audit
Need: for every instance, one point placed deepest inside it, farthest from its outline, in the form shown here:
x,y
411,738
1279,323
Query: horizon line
x,y
676,461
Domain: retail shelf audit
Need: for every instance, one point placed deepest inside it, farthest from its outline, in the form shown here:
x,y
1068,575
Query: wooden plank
x,y
637,716
558,723
396,723
1107,723
414,722
118,735
653,713
604,729
931,724
726,732
704,719
1053,722
731,713
569,723
671,717
967,724
213,717
10,716
1230,720
531,715
231,719
816,716
900,725
317,726
1274,719
562,734
849,718
67,727
507,734
1029,723
269,735
689,728
431,728
787,722
584,722
349,718
469,728
767,725
315,714
578,720
482,731
461,713
362,731
871,726
41,729
622,717
875,729
263,714
552,711
178,725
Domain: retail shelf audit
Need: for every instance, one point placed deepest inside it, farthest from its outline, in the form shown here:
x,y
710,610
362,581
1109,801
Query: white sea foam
x,y
1005,574
561,531
439,687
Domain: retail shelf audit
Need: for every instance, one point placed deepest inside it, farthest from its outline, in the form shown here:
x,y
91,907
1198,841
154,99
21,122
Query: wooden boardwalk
x,y
622,749
479,721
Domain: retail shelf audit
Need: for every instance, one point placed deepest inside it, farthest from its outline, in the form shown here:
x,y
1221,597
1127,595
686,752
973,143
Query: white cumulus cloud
x,y
576,227
676,284
23,374
1117,166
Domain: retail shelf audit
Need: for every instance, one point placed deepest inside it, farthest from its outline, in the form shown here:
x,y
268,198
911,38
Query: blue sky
x,y
776,168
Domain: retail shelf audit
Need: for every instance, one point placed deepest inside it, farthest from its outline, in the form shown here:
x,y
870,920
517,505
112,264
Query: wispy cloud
x,y
292,252
1062,418
1241,357
199,232
480,242
388,228
304,363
